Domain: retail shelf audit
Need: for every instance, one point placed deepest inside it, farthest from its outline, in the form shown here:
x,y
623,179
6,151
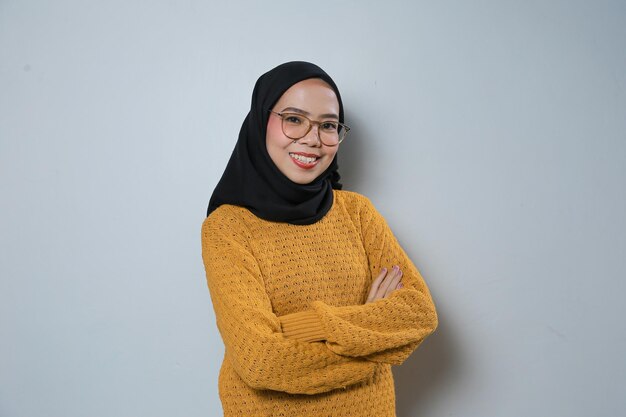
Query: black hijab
x,y
251,178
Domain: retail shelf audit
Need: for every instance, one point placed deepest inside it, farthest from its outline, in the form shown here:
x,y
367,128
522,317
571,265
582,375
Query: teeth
x,y
305,159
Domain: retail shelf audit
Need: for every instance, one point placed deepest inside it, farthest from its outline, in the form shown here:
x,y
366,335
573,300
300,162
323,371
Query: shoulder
x,y
360,209
226,221
352,200
221,216
356,203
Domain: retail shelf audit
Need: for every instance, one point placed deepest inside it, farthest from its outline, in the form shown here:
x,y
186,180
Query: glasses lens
x,y
295,126
343,131
330,133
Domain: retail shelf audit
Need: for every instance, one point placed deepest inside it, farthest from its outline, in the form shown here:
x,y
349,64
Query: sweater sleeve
x,y
387,330
254,343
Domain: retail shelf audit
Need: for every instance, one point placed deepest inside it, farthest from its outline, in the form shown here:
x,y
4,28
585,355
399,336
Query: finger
x,y
376,285
394,283
382,289
391,285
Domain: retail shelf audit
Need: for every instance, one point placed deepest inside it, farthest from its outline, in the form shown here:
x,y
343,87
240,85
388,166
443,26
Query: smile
x,y
304,161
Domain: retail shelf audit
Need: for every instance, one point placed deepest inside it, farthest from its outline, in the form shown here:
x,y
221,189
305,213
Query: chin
x,y
305,177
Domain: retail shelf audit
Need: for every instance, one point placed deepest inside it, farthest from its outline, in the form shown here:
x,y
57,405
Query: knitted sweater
x,y
289,305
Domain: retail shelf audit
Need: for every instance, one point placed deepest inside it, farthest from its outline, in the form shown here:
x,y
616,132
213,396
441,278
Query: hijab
x,y
251,178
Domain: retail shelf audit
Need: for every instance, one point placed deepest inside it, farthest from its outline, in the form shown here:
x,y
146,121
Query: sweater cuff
x,y
305,326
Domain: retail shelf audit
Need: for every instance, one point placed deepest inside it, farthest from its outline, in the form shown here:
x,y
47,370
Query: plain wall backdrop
x,y
490,134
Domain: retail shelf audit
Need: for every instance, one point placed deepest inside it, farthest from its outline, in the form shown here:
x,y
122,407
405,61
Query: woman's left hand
x,y
385,284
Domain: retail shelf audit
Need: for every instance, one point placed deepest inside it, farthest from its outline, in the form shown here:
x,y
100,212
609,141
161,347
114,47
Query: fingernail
x,y
383,270
396,267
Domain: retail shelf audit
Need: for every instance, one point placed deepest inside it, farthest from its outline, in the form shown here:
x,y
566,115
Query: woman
x,y
314,297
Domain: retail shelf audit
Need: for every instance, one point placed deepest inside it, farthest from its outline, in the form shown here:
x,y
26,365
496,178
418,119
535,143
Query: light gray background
x,y
491,134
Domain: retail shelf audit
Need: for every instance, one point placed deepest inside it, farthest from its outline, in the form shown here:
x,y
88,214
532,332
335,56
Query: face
x,y
307,158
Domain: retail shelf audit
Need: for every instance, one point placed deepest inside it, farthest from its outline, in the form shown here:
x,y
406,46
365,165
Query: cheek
x,y
330,153
274,135
276,142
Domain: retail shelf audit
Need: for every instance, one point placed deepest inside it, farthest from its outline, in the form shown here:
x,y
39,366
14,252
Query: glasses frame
x,y
282,115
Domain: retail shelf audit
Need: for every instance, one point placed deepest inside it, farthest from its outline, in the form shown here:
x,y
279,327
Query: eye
x,y
293,119
329,126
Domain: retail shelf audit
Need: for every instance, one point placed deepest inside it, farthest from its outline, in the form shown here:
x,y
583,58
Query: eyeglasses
x,y
296,126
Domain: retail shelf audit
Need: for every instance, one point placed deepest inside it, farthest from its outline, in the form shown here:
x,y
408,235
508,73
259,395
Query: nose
x,y
312,138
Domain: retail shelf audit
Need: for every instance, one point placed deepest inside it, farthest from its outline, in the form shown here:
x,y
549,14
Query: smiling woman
x,y
307,157
313,296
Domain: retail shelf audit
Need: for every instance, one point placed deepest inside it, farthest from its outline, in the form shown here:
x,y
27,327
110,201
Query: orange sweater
x,y
289,303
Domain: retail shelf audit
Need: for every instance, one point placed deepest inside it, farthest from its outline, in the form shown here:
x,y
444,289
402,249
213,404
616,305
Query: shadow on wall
x,y
425,374
422,378
350,153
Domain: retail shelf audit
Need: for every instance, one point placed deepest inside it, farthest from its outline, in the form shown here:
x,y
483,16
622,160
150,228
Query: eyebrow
x,y
306,113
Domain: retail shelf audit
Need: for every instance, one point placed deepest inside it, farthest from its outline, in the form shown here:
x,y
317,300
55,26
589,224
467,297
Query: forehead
x,y
312,93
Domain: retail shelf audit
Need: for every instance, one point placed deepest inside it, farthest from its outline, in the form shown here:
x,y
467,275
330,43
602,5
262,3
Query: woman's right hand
x,y
385,284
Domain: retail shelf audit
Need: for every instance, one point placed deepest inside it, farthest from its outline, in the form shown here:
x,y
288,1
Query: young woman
x,y
314,297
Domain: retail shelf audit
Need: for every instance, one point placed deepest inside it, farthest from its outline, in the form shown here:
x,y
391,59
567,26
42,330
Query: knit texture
x,y
289,305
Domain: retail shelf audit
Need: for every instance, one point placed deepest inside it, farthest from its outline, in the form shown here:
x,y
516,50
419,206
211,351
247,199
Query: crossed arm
x,y
396,317
284,353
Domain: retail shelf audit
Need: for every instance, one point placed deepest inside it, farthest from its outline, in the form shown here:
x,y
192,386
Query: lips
x,y
304,160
